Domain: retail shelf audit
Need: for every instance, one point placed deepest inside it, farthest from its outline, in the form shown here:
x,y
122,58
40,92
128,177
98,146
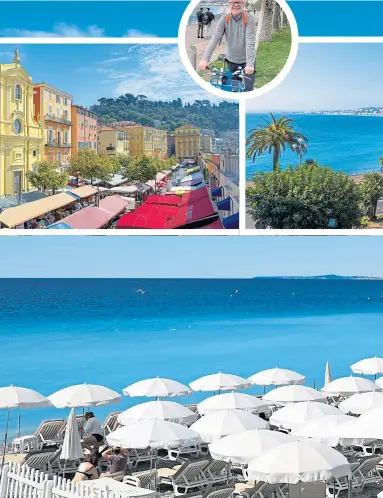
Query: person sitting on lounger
x,y
87,470
93,436
117,461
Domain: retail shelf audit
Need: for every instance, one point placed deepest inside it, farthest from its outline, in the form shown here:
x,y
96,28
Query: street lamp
x,y
300,148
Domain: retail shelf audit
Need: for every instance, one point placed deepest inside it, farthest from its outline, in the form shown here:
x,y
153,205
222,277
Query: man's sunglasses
x,y
235,4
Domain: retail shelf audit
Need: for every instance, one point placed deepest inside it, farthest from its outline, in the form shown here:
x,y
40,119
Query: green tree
x,y
381,163
48,176
273,137
305,196
89,165
141,169
371,190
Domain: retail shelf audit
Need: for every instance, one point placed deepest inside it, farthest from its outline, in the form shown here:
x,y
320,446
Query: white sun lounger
x,y
223,492
146,479
188,477
110,423
335,486
217,472
139,456
367,473
48,433
269,491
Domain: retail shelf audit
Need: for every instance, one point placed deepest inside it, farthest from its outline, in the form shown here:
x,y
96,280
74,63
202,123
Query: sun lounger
x,y
147,479
217,472
221,492
337,485
269,491
40,460
179,454
187,478
110,423
139,456
48,433
246,489
367,473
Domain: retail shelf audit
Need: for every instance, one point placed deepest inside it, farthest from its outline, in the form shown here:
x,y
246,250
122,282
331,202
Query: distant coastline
x,y
372,112
320,277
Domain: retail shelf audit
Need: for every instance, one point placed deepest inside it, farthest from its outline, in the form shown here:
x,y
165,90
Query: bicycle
x,y
226,80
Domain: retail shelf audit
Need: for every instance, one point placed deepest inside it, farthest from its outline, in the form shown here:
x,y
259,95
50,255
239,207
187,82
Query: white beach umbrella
x,y
321,428
327,374
347,386
293,394
367,426
295,414
299,461
157,388
277,377
220,382
360,403
13,397
152,434
243,447
222,423
379,382
157,410
71,449
82,395
368,366
232,401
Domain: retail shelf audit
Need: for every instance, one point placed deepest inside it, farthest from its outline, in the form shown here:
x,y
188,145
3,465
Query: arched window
x,y
18,92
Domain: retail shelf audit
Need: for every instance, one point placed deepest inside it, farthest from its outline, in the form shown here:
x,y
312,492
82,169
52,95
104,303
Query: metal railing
x,y
57,119
55,143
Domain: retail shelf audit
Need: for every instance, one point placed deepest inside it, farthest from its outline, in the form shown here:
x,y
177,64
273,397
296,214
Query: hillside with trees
x,y
167,115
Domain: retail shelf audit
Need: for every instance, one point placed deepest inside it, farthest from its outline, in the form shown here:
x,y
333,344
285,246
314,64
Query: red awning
x,y
194,195
171,200
190,213
151,216
212,226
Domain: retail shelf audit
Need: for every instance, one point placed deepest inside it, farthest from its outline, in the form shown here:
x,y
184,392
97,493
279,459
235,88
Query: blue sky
x,y
328,76
126,18
80,18
165,256
89,72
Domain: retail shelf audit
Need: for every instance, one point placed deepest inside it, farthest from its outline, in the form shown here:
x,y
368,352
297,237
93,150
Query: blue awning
x,y
72,194
231,222
60,226
217,192
225,204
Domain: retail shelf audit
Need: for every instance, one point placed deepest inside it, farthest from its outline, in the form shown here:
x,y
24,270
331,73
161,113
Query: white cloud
x,y
132,33
160,75
59,30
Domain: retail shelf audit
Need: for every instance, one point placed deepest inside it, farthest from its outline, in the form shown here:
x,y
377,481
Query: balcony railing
x,y
55,143
110,148
57,119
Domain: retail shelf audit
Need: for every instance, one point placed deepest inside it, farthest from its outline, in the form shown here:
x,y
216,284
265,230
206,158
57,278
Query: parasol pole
x,y
5,438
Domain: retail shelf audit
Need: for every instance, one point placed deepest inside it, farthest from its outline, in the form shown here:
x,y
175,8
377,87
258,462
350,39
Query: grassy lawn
x,y
272,56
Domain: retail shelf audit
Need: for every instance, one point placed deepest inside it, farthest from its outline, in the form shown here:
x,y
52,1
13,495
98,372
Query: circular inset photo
x,y
238,47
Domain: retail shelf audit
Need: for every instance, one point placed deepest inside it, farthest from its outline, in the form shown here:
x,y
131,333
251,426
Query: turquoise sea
x,y
348,143
55,333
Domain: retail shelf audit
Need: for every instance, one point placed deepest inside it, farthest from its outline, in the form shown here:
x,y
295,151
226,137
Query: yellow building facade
x,y
113,142
187,141
21,137
147,141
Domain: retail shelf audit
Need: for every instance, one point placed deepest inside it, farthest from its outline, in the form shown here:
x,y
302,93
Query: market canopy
x,y
93,218
170,200
20,214
193,212
85,191
217,224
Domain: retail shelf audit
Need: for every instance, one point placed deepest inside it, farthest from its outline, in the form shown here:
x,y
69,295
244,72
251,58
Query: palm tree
x,y
273,137
381,163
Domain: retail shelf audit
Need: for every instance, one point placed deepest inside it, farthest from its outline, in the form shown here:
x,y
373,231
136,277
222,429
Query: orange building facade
x,y
84,129
53,109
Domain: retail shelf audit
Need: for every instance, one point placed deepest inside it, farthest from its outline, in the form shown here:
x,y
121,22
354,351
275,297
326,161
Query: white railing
x,y
20,481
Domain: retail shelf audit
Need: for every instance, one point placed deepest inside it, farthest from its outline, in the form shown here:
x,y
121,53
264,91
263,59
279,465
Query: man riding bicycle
x,y
239,28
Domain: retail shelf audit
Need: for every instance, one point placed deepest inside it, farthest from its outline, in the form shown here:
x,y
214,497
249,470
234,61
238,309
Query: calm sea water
x,y
55,333
347,143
